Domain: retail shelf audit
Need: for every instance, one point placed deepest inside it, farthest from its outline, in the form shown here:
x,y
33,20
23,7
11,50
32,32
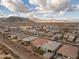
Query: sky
x,y
42,9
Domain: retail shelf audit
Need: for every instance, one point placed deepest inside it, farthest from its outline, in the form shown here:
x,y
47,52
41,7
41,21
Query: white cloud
x,y
13,5
54,5
8,4
33,1
62,13
47,6
23,15
76,8
41,3
59,5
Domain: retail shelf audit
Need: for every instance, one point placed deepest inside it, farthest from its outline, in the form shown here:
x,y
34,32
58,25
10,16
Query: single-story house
x,y
68,51
30,38
51,46
39,42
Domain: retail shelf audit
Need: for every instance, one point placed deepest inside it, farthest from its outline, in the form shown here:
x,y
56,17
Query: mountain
x,y
19,21
15,21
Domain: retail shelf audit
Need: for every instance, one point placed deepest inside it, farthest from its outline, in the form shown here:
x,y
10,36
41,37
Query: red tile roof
x,y
68,50
39,42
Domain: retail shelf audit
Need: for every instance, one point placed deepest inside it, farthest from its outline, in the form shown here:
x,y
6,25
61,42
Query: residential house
x,y
68,51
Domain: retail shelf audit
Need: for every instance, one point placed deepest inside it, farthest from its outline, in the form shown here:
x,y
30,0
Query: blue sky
x,y
75,1
74,14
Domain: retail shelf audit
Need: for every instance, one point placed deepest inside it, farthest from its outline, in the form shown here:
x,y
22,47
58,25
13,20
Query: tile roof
x,y
39,42
68,50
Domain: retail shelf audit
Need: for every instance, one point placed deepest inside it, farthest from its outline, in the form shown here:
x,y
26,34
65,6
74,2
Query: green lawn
x,y
38,50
